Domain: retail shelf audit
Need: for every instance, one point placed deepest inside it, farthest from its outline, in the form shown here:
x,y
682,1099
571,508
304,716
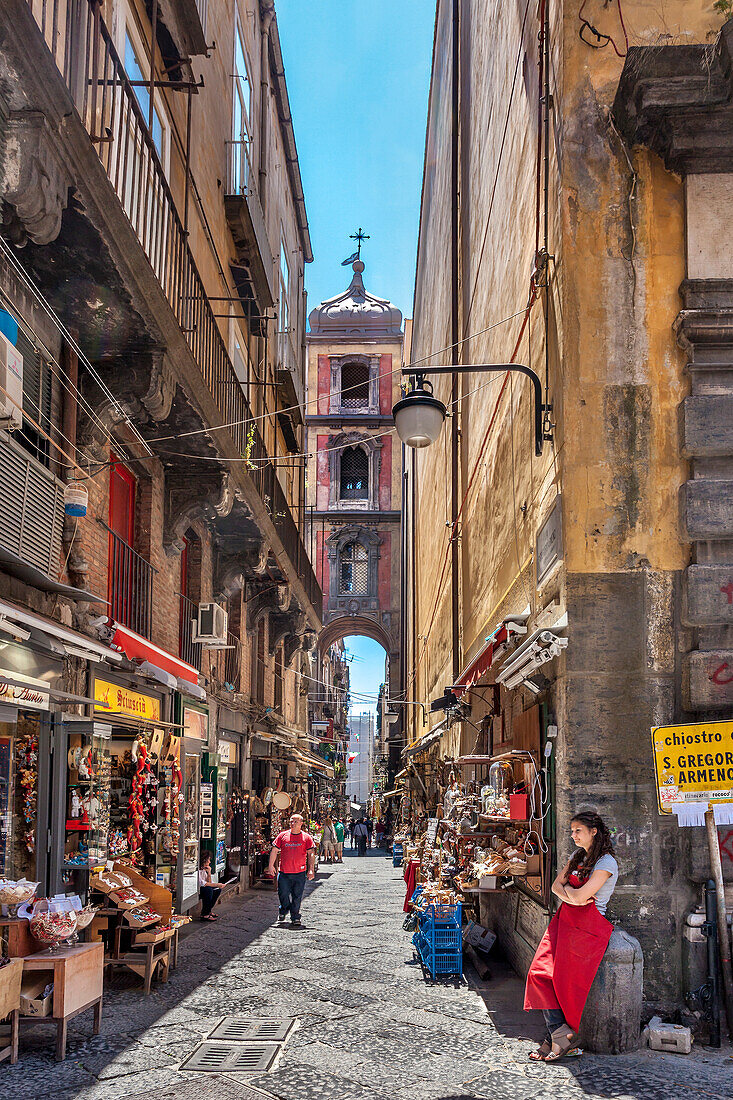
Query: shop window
x,y
355,386
19,755
354,570
354,474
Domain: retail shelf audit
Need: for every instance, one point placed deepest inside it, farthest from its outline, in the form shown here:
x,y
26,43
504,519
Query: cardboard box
x,y
32,1000
478,936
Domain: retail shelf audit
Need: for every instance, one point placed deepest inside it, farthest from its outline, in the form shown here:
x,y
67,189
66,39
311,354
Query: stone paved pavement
x,y
369,1024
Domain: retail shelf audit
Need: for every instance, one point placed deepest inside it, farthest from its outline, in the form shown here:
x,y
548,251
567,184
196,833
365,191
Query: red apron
x,y
567,959
409,876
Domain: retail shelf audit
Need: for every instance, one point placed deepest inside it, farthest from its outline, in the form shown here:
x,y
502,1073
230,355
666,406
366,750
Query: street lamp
x,y
419,415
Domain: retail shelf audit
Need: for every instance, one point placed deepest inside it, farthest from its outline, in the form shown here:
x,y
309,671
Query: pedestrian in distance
x,y
570,952
329,840
339,830
352,827
208,889
361,835
296,852
370,829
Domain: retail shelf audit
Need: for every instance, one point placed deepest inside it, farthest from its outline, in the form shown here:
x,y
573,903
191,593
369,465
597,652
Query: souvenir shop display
x,y
53,922
87,806
15,894
485,835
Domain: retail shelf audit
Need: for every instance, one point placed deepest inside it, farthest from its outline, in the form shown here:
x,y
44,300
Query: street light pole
x,y
418,396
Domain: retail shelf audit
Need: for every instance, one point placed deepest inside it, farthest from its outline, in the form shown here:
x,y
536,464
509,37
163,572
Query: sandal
x,y
565,1040
542,1051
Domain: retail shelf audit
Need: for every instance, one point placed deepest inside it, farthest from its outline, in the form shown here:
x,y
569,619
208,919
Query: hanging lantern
x,y
76,498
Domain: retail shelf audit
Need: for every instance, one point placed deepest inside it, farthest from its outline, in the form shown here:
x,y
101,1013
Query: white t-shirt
x,y
602,898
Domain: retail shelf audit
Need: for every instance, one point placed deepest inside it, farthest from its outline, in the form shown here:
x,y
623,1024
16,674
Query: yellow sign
x,y
693,763
113,699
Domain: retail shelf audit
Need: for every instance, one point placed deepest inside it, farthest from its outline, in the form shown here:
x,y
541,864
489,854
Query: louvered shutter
x,y
31,508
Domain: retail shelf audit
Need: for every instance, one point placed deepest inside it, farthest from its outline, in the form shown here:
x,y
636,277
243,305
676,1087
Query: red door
x,y
122,531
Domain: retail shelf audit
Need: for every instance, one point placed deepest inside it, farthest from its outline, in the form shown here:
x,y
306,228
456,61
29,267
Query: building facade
x,y
355,348
569,224
362,746
151,274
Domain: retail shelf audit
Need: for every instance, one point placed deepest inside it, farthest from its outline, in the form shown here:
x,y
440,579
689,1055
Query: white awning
x,y
75,643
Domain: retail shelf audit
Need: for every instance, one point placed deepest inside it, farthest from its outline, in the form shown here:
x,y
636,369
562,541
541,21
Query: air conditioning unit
x,y
210,628
11,381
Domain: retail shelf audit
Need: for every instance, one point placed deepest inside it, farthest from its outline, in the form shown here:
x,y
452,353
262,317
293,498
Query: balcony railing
x,y
84,53
130,586
188,650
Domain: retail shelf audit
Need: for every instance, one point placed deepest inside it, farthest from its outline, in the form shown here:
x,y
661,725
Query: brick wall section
x,y
385,474
385,570
322,473
321,563
324,383
385,384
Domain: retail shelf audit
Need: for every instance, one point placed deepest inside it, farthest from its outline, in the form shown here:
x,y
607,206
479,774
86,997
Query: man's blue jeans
x,y
290,889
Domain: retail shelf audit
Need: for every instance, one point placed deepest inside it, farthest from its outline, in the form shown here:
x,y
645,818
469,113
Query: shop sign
x,y
228,753
693,763
549,543
113,699
31,696
195,723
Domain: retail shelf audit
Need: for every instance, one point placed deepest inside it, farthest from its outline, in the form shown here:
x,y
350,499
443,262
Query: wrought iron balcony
x,y
188,650
130,586
290,375
84,54
254,275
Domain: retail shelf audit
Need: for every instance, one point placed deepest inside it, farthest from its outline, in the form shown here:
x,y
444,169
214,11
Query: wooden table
x,y
18,935
77,974
144,959
10,978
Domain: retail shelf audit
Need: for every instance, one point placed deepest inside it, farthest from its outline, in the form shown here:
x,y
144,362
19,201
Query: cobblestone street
x,y
368,1023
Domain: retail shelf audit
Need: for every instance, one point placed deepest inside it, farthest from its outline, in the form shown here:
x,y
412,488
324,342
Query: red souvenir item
x,y
567,959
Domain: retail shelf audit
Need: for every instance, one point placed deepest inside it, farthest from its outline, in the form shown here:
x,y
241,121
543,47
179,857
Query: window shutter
x,y
32,506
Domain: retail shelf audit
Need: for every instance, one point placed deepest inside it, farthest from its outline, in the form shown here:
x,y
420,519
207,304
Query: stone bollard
x,y
611,1021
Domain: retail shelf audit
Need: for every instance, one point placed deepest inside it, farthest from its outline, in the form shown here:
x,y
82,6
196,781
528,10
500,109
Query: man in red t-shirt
x,y
297,854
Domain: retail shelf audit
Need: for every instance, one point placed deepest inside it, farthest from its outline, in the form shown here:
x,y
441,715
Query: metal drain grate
x,y
246,1029
221,1057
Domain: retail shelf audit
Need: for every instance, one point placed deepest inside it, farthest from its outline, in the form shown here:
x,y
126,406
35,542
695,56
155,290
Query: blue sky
x,y
358,73
366,671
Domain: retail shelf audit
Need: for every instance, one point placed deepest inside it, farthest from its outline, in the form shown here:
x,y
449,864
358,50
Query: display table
x,y
144,958
10,978
77,974
18,934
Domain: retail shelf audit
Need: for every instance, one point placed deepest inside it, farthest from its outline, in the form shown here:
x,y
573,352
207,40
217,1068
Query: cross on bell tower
x,y
359,236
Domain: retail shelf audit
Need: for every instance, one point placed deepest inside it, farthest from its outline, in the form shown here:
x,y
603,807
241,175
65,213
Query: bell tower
x,y
353,494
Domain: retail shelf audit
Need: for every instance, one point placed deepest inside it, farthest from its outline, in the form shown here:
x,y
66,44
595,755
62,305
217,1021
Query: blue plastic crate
x,y
441,962
396,861
445,939
446,916
416,893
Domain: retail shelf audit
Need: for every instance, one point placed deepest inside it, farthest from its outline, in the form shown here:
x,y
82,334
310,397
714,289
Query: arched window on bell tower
x,y
354,570
354,474
355,386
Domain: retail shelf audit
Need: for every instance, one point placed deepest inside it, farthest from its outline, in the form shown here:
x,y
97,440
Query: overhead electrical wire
x,y
38,295
533,294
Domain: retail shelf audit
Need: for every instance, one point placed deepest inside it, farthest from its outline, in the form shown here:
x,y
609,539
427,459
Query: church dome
x,y
356,313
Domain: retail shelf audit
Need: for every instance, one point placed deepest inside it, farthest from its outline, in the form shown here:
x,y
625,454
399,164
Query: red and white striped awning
x,y
493,648
138,648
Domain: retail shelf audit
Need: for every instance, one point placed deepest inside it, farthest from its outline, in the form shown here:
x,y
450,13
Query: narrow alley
x,y
366,1021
